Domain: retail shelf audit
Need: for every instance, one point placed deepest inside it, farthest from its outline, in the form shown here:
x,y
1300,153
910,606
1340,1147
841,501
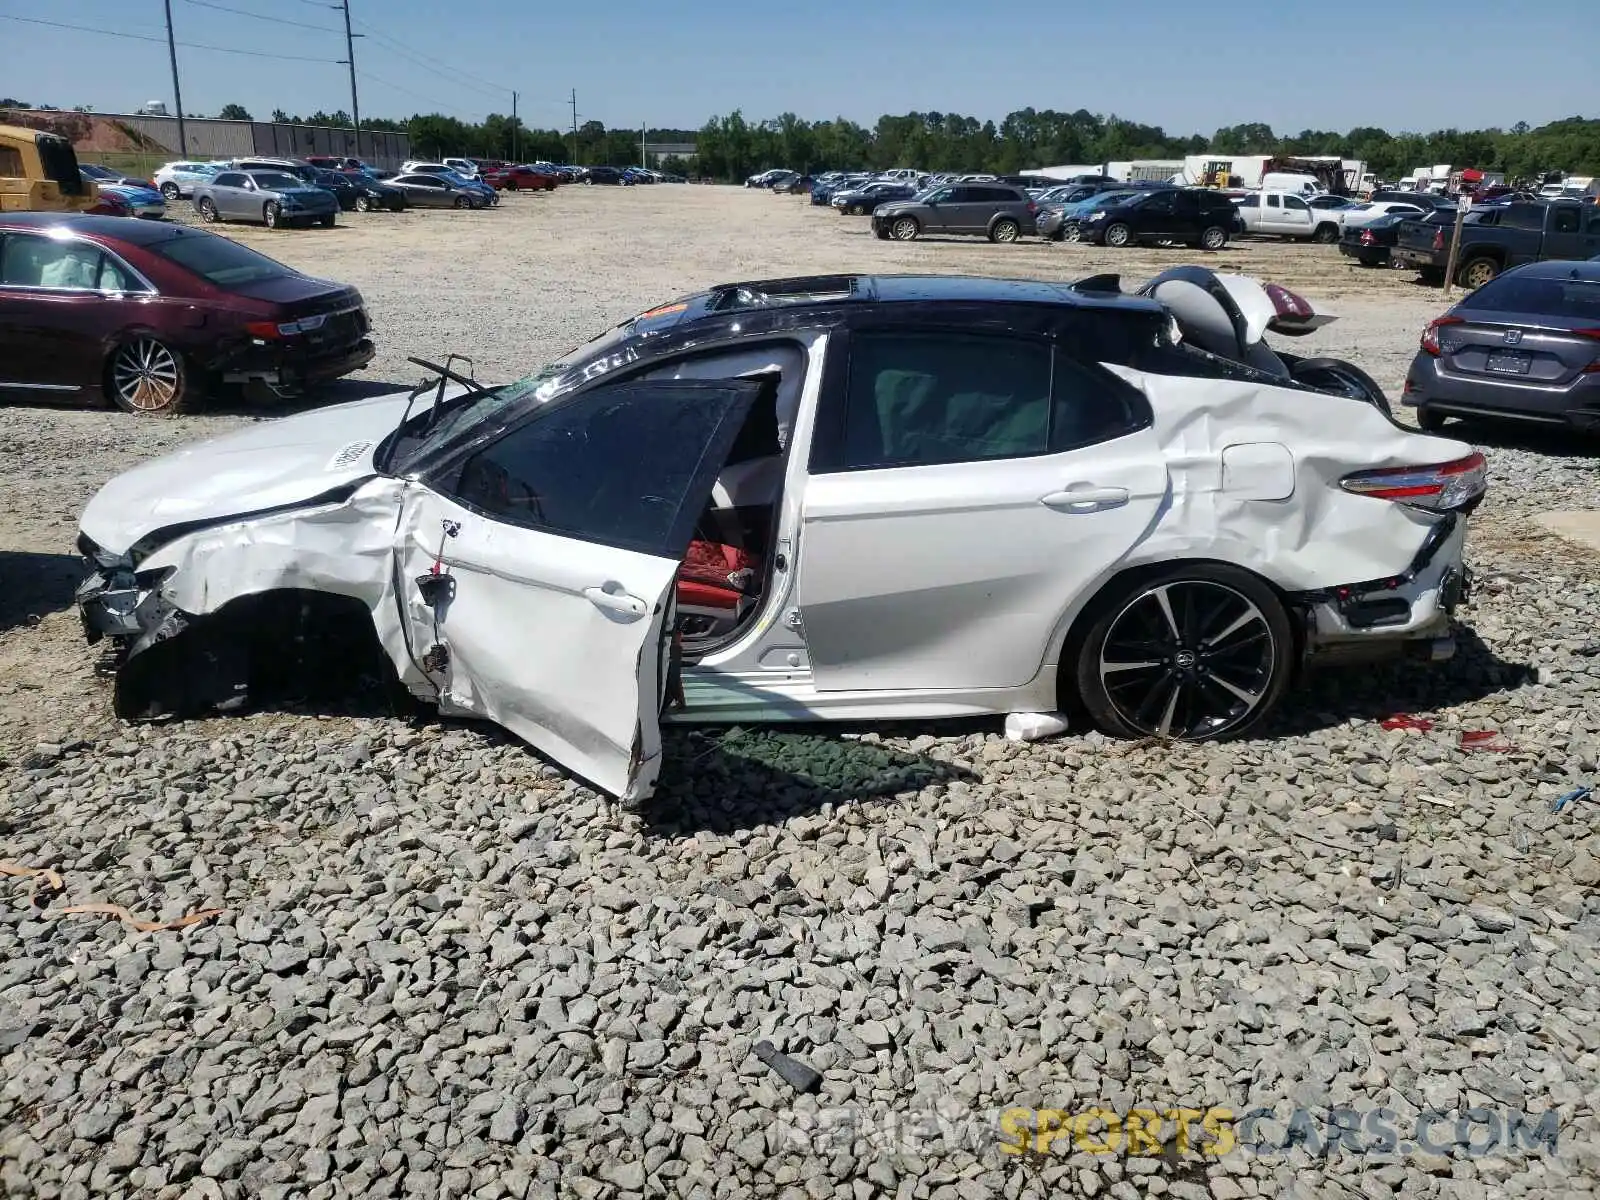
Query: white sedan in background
x,y
176,180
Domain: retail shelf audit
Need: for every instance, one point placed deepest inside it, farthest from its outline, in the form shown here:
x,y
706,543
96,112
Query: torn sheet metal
x,y
1317,536
255,469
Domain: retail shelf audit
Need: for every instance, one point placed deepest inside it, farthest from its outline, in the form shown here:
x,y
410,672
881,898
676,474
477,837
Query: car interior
x,y
728,564
46,263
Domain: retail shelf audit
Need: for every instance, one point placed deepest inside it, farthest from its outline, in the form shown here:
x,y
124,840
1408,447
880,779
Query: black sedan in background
x,y
1370,244
337,182
606,175
1525,347
361,192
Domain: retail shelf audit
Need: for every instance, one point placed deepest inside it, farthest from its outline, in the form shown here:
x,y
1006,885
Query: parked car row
x,y
905,205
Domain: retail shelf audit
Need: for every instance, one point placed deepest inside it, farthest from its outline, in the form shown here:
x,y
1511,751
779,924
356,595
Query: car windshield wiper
x,y
445,374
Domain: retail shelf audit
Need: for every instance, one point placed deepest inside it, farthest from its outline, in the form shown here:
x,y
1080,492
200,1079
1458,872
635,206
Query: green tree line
x,y
731,147
433,135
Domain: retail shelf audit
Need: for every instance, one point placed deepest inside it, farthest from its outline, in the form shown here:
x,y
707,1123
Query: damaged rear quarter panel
x,y
1321,535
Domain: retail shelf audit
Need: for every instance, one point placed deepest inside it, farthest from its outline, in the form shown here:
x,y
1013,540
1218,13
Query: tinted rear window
x,y
223,262
60,164
1572,299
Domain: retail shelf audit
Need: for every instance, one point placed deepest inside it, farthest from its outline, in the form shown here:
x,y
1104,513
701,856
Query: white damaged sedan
x,y
835,497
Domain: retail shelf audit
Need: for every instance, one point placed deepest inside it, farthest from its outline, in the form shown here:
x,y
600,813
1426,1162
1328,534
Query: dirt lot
x,y
444,969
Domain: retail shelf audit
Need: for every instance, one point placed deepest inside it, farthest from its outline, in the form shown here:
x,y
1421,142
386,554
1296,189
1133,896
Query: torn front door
x,y
535,576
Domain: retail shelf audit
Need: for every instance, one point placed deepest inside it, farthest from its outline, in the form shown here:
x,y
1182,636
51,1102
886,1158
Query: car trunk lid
x,y
1496,345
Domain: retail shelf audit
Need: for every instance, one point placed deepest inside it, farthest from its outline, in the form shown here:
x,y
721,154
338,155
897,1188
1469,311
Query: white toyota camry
x,y
835,497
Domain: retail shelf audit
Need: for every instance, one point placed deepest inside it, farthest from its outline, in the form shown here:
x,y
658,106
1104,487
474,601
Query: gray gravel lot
x,y
445,970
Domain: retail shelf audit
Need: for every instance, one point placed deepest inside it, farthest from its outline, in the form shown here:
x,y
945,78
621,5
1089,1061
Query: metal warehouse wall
x,y
229,139
301,141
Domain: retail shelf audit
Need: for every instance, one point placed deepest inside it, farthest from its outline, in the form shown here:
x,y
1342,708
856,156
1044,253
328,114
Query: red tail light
x,y
1430,335
1438,239
1594,367
1367,238
1440,487
263,329
1032,208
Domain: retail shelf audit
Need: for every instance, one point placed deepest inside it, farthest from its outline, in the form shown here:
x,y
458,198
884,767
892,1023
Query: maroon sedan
x,y
511,179
146,315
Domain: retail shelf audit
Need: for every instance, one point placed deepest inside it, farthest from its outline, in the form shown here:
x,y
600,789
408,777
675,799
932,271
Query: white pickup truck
x,y
1286,214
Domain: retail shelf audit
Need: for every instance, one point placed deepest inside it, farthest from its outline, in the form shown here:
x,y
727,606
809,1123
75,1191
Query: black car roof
x,y
820,290
139,233
1587,270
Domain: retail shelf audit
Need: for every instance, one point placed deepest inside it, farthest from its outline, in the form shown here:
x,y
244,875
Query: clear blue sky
x,y
1188,67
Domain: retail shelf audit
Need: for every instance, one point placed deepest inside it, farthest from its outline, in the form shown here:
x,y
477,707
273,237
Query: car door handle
x,y
613,599
1085,499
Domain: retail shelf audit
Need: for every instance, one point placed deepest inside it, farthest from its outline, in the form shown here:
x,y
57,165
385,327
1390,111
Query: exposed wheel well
x,y
1086,616
274,648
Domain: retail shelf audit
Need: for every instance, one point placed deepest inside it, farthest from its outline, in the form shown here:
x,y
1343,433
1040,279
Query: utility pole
x,y
177,95
642,160
574,126
350,49
515,157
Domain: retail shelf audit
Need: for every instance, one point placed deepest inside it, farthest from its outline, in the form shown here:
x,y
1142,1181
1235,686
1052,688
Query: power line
x,y
240,12
433,64
437,103
139,37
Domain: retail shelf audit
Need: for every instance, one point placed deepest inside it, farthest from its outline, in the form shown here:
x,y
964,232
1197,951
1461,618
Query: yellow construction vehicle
x,y
39,173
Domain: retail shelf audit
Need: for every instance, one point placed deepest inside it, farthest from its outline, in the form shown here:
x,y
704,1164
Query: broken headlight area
x,y
120,602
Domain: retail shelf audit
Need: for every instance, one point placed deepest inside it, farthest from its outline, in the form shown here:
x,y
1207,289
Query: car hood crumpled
x,y
269,465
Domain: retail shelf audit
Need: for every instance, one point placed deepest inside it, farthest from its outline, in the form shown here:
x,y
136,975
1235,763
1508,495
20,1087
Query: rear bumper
x,y
1392,614
290,369
1366,254
1422,260
1576,405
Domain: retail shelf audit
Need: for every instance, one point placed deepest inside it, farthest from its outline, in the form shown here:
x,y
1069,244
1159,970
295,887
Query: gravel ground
x,y
444,969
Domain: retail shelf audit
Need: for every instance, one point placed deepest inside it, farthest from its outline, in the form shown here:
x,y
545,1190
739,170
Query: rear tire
x,y
1432,276
1213,238
328,221
1218,643
272,215
1430,420
170,191
145,376
1335,374
1476,272
1326,234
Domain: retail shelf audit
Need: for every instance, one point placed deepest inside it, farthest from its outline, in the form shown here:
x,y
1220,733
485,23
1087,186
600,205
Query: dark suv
x,y
1194,216
996,211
